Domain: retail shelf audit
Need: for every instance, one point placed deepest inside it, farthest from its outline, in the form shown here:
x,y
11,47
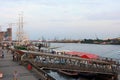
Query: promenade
x,y
7,67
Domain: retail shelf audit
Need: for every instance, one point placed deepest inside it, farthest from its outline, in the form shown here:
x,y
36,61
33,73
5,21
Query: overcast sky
x,y
73,19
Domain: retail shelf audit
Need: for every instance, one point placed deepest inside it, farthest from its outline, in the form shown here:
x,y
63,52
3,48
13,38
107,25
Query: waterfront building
x,y
6,35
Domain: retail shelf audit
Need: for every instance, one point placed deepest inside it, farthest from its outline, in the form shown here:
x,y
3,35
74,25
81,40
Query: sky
x,y
71,19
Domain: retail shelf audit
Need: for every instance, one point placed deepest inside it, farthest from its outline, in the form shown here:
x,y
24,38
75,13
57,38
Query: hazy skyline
x,y
73,19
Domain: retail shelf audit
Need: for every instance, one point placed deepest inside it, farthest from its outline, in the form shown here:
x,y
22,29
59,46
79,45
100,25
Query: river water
x,y
112,51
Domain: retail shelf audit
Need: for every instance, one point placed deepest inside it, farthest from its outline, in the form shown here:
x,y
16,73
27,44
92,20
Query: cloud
x,y
66,16
105,16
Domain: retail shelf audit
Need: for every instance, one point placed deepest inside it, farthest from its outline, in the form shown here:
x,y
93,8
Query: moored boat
x,y
69,73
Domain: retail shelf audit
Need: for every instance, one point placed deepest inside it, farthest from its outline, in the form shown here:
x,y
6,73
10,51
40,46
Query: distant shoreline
x,y
87,43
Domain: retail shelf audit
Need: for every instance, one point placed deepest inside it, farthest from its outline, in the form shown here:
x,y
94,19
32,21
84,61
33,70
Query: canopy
x,y
73,53
83,55
20,52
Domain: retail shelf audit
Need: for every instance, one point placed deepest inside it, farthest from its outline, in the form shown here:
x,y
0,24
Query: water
x,y
112,51
59,76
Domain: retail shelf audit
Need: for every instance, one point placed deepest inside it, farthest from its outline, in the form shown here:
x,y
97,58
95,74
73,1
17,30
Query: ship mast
x,y
20,32
22,38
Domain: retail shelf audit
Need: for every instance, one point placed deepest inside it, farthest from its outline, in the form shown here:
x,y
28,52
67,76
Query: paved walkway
x,y
7,67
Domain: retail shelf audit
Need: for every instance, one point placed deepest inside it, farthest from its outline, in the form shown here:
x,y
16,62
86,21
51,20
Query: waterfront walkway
x,y
8,66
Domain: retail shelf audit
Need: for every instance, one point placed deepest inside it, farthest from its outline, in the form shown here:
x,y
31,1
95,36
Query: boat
x,y
69,73
76,74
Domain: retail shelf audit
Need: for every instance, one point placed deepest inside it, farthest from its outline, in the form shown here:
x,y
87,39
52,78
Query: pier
x,y
103,68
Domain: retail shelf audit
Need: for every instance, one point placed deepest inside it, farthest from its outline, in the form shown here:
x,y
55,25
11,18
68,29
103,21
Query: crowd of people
x,y
4,48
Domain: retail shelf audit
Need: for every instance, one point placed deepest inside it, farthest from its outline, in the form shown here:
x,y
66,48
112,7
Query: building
x,y
6,35
115,41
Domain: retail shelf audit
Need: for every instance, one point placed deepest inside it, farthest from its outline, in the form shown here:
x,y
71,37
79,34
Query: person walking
x,y
3,52
15,75
39,46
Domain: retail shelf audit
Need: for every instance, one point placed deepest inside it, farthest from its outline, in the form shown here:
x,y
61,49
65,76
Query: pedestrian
x,y
39,46
3,52
13,55
15,75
